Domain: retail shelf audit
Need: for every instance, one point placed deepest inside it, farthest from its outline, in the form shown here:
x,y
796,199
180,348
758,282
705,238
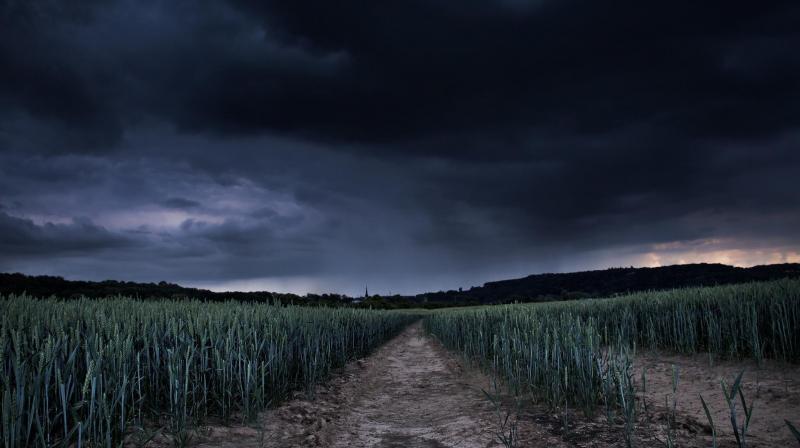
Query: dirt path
x,y
415,395
410,393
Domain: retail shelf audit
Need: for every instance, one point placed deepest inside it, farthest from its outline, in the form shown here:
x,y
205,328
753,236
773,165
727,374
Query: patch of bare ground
x,y
773,389
412,393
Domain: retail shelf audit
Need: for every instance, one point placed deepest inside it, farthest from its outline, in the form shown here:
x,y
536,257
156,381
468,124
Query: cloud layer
x,y
312,145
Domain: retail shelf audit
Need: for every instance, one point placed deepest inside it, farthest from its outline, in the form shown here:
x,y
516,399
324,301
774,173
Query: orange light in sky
x,y
735,257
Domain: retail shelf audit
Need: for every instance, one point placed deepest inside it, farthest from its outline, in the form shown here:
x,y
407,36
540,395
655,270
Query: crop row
x,y
579,354
85,372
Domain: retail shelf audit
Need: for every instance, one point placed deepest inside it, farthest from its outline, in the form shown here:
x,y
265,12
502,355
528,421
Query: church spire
x,y
366,291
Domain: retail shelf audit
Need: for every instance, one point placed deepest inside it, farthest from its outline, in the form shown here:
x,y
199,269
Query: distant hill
x,y
607,282
533,288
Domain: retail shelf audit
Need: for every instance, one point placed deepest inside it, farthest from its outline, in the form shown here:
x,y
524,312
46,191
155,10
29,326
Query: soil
x,y
773,389
412,393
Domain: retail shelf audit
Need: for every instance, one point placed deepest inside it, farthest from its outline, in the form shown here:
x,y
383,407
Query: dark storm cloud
x,y
23,237
414,143
421,71
42,85
181,203
425,68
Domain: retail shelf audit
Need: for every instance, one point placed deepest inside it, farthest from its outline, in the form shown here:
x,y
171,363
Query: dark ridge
x,y
46,286
615,281
533,288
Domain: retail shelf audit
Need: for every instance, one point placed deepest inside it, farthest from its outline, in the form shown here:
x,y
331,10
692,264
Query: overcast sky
x,y
411,145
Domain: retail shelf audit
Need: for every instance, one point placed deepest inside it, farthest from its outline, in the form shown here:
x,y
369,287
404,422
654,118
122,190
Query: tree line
x,y
533,288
